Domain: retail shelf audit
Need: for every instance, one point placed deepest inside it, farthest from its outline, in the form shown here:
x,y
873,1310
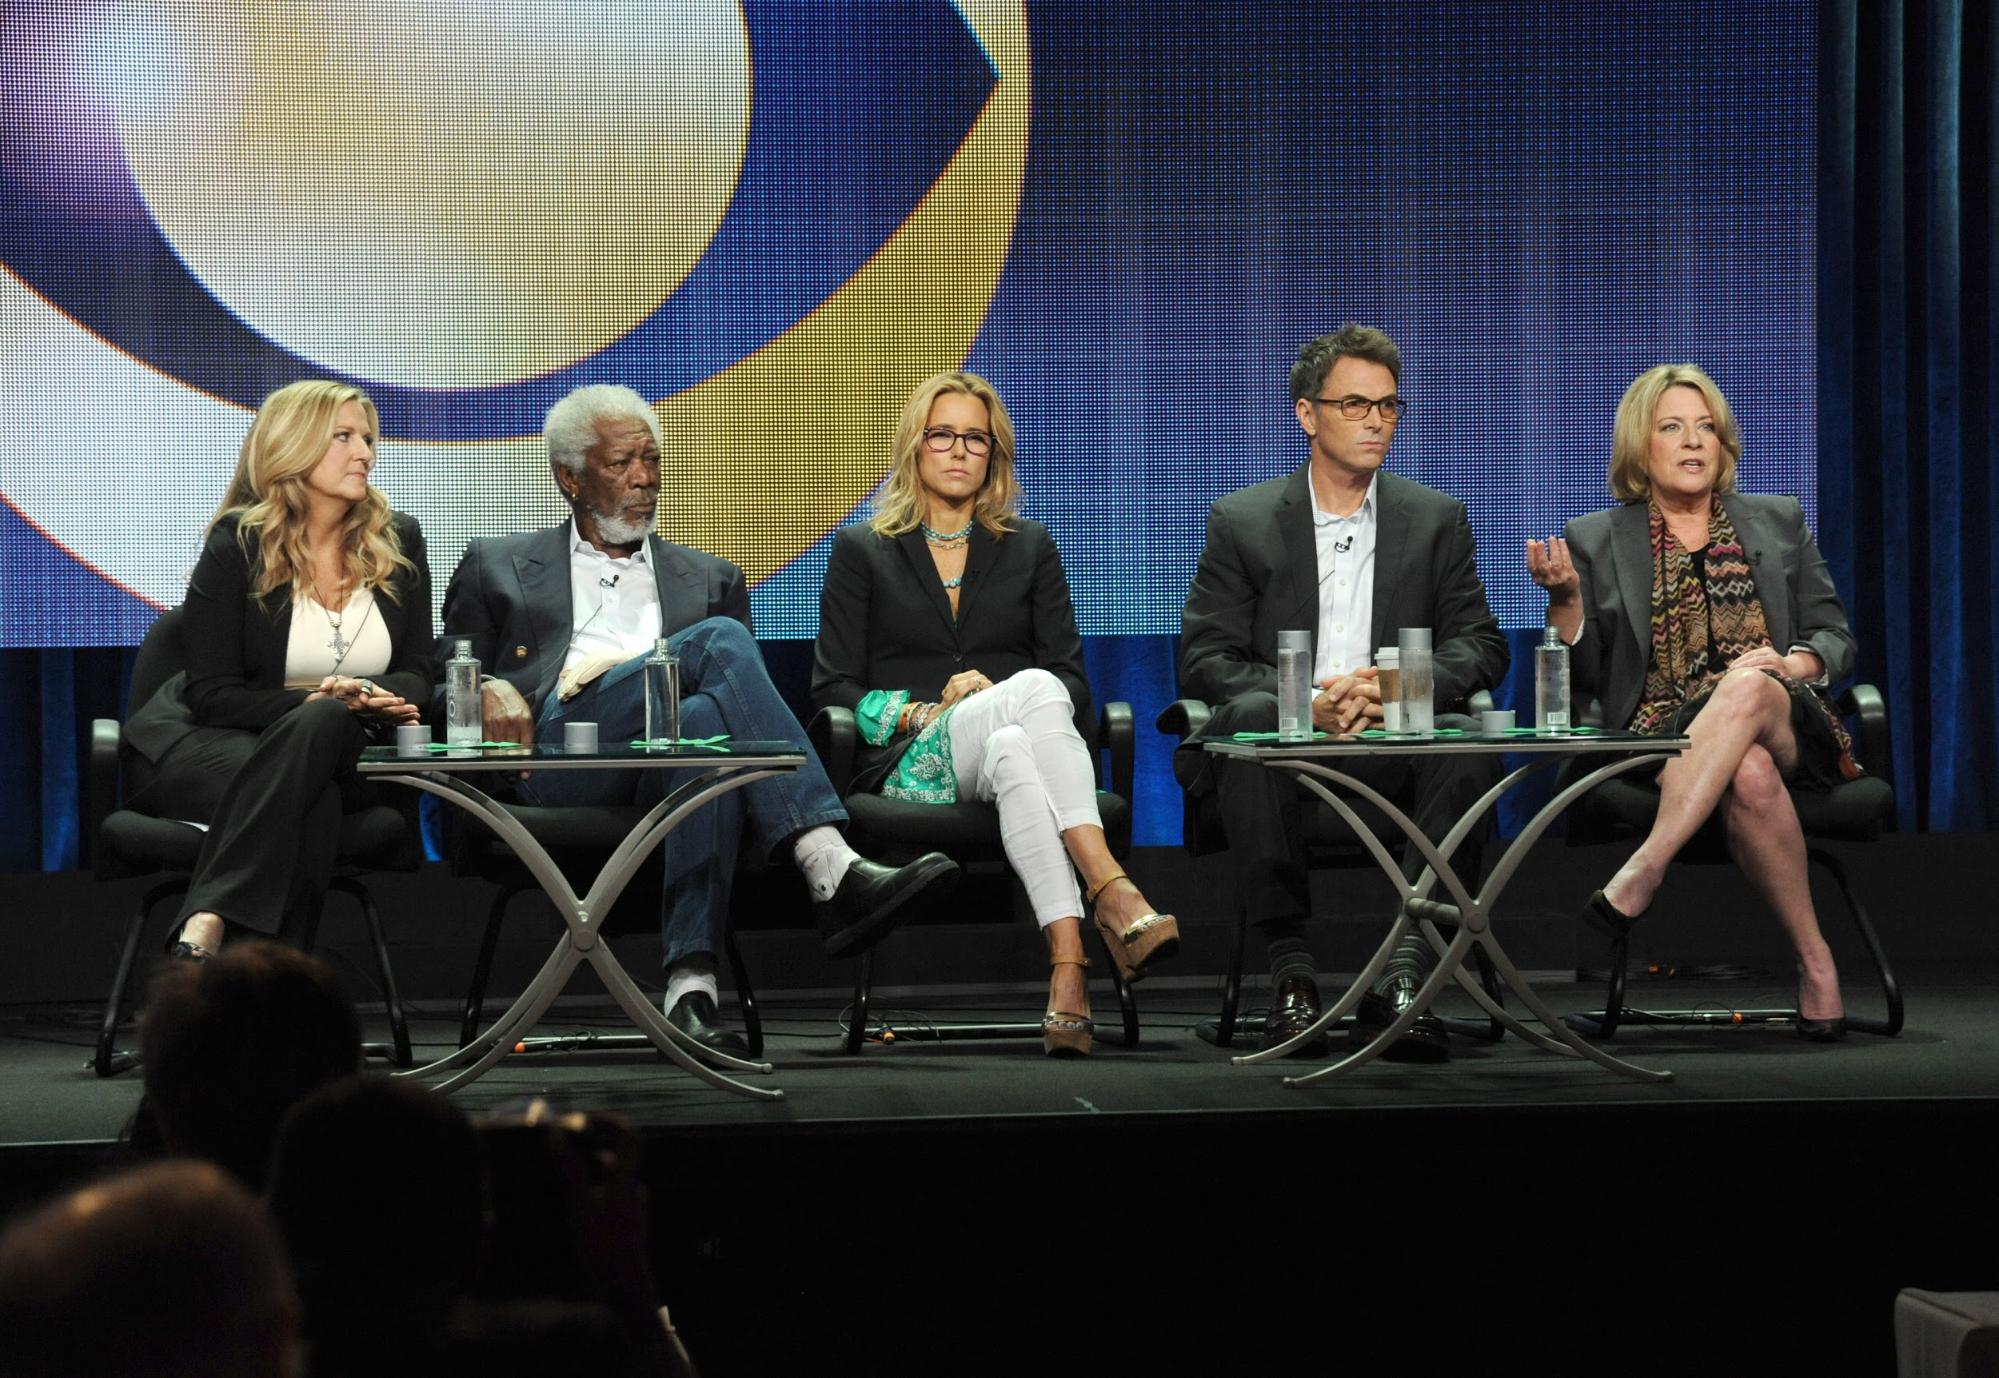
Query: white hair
x,y
571,427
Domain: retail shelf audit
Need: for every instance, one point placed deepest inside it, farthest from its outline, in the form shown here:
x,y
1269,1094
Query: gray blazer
x,y
1612,551
1259,574
510,598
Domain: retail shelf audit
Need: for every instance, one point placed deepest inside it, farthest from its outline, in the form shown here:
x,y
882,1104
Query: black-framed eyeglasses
x,y
1354,408
942,438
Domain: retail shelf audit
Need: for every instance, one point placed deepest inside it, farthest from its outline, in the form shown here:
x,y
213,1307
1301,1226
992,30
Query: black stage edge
x,y
973,1208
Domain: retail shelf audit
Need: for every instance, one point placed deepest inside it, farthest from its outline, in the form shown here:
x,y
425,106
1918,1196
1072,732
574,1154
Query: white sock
x,y
823,855
695,971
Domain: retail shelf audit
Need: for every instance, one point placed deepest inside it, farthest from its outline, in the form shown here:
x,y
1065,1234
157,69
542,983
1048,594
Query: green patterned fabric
x,y
923,773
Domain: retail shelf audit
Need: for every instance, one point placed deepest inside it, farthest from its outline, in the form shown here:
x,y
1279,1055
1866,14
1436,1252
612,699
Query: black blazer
x,y
1612,551
1259,575
885,622
234,646
510,598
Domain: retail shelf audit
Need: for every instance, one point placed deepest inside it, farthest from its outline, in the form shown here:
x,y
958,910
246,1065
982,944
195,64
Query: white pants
x,y
1015,745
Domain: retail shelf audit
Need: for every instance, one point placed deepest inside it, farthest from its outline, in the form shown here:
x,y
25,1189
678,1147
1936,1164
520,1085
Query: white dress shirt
x,y
614,604
1346,586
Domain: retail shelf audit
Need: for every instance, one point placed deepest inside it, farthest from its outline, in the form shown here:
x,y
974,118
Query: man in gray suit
x,y
1353,554
562,619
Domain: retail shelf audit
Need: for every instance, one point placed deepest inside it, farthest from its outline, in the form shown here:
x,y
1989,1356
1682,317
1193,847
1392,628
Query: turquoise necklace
x,y
949,540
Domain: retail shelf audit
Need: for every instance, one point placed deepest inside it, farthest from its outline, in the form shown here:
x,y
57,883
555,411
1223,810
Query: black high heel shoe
x,y
180,949
1607,919
1821,1030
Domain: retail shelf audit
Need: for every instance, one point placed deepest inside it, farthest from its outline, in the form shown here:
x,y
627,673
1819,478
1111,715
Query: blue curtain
x,y
50,697
1907,405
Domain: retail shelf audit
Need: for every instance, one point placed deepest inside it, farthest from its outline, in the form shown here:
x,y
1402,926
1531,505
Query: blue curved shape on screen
x,y
57,599
856,109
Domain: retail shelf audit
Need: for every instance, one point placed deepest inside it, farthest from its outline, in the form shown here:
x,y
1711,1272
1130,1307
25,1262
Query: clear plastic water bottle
x,y
1418,675
1551,683
1294,686
464,721
662,674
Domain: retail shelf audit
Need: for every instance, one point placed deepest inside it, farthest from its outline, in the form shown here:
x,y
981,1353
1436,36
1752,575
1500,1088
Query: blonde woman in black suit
x,y
945,625
307,627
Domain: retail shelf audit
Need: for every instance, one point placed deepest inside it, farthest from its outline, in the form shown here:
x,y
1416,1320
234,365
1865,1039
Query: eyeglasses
x,y
1354,408
942,438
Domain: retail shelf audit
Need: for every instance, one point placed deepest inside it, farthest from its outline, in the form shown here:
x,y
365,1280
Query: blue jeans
x,y
724,688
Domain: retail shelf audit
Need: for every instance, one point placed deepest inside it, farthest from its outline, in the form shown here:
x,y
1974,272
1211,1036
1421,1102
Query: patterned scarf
x,y
1689,614
1692,617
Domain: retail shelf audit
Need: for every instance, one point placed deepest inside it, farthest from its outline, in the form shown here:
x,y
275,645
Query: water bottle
x,y
1551,683
464,722
662,674
1419,680
1294,686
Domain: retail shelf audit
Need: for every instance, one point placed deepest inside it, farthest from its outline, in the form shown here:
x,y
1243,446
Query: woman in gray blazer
x,y
1696,609
945,625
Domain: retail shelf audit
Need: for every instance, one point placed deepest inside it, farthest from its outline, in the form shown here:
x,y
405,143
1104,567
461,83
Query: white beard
x,y
617,530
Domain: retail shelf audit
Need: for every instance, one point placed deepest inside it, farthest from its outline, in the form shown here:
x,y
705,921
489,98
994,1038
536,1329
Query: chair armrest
x,y
1117,737
1869,711
1183,718
100,797
835,736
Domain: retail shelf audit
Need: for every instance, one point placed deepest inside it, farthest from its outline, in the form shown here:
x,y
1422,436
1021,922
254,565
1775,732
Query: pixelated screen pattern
x,y
773,219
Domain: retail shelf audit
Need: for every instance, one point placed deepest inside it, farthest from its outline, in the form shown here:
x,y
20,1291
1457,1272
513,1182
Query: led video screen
x,y
774,219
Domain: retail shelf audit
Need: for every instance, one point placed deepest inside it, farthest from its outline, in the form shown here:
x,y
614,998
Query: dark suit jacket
x,y
234,647
885,621
1259,575
1612,551
510,598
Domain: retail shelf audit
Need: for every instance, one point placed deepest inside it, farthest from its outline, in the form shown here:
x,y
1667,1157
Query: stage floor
x,y
934,1207
938,1207
1950,1049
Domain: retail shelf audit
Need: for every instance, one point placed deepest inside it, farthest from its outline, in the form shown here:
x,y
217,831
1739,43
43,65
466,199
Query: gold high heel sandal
x,y
1064,1034
1147,939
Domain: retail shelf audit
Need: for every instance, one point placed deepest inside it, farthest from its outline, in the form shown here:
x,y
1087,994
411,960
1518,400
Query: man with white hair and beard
x,y
561,620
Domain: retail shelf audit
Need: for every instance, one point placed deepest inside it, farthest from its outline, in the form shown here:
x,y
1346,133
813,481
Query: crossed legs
x,y
275,830
1016,746
1743,750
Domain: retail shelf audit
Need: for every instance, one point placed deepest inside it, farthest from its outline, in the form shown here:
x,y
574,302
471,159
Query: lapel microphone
x,y
611,582
1342,547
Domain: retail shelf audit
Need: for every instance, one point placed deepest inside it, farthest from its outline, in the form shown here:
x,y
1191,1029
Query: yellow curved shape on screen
x,y
829,390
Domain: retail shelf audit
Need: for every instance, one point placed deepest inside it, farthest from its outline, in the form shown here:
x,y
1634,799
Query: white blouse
x,y
357,646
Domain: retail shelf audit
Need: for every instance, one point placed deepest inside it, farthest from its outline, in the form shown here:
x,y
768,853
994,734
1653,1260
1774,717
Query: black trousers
x,y
1262,811
273,801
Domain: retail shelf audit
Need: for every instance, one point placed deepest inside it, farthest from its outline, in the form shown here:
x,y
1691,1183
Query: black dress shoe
x,y
1427,1040
694,1015
873,898
1293,1009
